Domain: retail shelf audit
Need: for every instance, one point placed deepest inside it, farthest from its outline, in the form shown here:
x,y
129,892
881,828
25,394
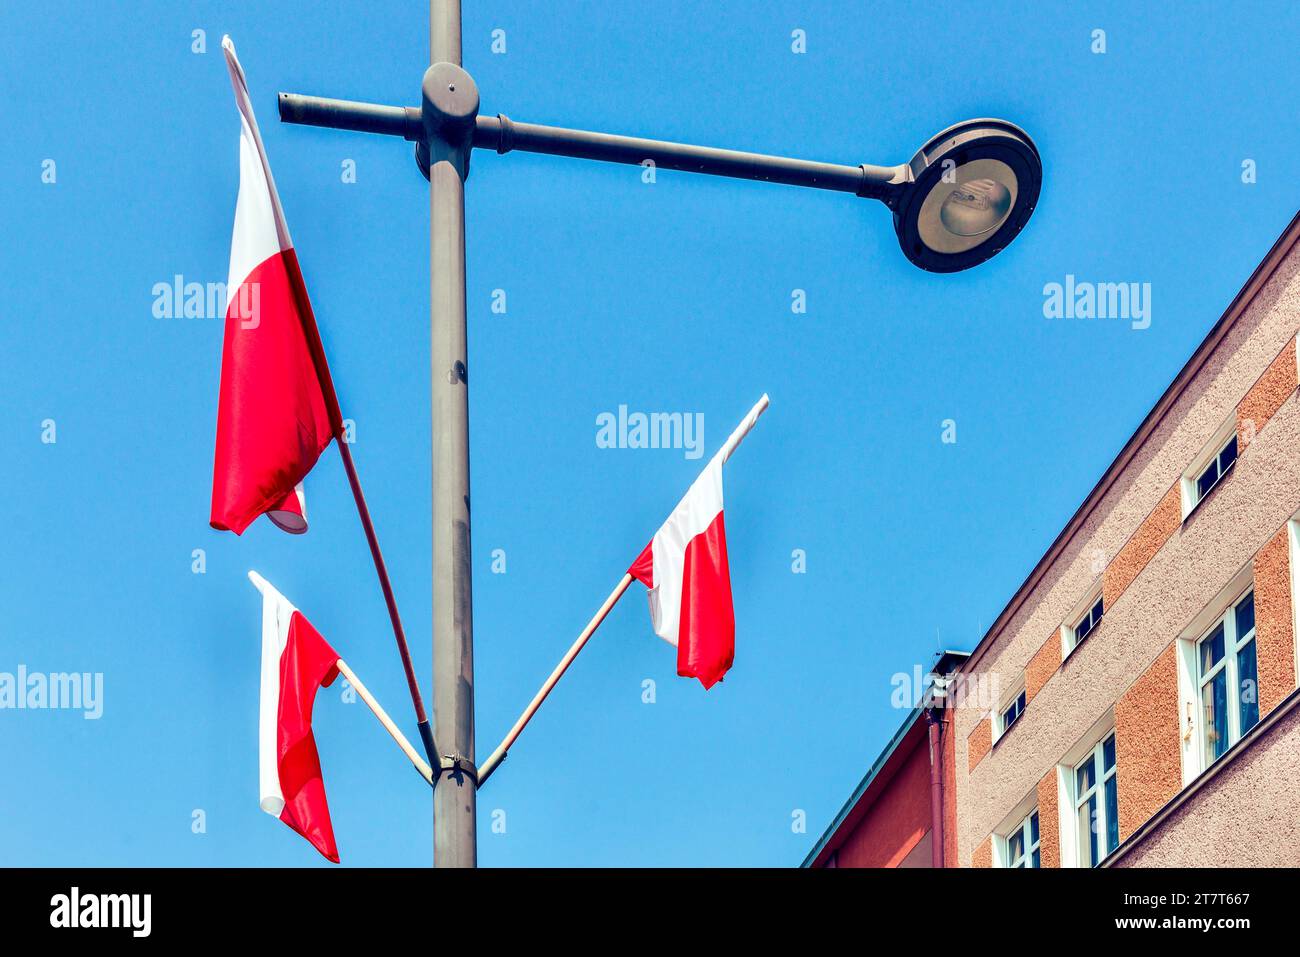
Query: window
x,y
1022,843
1090,620
1015,839
1087,795
1217,469
1218,695
1011,713
1216,461
1096,803
1293,539
1082,621
1228,680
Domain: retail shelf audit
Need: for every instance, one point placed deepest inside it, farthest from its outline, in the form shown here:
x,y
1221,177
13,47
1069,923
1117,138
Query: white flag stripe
x,y
249,126
254,239
292,522
692,516
277,612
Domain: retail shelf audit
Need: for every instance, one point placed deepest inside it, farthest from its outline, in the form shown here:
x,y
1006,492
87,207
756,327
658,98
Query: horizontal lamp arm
x,y
505,135
403,121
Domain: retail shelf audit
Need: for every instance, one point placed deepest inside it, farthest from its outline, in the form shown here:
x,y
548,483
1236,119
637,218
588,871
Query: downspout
x,y
934,717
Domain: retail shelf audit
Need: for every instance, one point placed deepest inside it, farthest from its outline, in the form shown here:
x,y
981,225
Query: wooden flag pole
x,y
421,719
497,756
420,764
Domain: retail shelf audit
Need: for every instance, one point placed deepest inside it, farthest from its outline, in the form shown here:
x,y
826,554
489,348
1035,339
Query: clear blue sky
x,y
666,297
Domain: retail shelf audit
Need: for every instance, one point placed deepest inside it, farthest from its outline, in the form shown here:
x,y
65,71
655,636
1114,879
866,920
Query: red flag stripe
x,y
296,661
273,418
306,664
706,642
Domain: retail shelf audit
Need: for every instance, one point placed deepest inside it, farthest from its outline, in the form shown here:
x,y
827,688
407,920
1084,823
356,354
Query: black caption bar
x,y
329,906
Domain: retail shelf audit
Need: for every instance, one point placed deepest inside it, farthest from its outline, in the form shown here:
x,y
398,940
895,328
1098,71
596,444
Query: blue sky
x,y
674,296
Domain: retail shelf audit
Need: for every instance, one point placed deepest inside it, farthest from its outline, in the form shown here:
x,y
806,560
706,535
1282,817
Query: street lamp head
x,y
970,191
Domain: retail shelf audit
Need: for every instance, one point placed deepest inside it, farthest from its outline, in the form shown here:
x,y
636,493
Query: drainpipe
x,y
935,718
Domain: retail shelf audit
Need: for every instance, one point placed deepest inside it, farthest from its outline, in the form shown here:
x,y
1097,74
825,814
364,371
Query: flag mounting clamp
x,y
458,764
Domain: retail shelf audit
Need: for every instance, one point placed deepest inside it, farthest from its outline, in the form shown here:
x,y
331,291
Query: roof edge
x,y
823,842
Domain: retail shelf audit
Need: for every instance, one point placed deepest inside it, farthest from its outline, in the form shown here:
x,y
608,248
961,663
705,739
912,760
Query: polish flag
x,y
296,661
685,569
277,410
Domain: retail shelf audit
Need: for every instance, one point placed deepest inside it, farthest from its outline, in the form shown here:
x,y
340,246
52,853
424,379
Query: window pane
x,y
1085,775
1036,861
1112,815
1096,612
1088,832
1206,480
1020,703
1015,846
1248,690
1008,716
1108,754
1214,698
1245,616
1033,828
1228,455
1212,649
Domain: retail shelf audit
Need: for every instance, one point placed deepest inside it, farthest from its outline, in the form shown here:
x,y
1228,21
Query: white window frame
x,y
1070,627
1224,434
1030,845
1293,554
1098,793
1232,644
1066,806
1015,819
1000,727
1191,714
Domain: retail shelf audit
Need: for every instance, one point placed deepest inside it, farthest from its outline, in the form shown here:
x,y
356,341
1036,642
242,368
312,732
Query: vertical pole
x,y
444,31
454,837
934,717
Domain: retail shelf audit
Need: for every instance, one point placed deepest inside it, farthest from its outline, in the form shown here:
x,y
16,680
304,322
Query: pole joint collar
x,y
884,183
448,109
505,134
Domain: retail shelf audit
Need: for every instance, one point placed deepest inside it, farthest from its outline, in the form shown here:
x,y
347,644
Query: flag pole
x,y
499,754
747,423
422,720
420,765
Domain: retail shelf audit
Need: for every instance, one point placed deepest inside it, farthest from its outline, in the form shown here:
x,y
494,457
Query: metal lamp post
x,y
962,198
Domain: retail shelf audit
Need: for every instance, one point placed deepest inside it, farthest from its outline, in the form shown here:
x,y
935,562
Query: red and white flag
x,y
296,661
277,411
685,569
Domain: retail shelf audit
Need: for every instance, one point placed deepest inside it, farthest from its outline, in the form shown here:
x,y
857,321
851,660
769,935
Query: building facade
x,y
1148,711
